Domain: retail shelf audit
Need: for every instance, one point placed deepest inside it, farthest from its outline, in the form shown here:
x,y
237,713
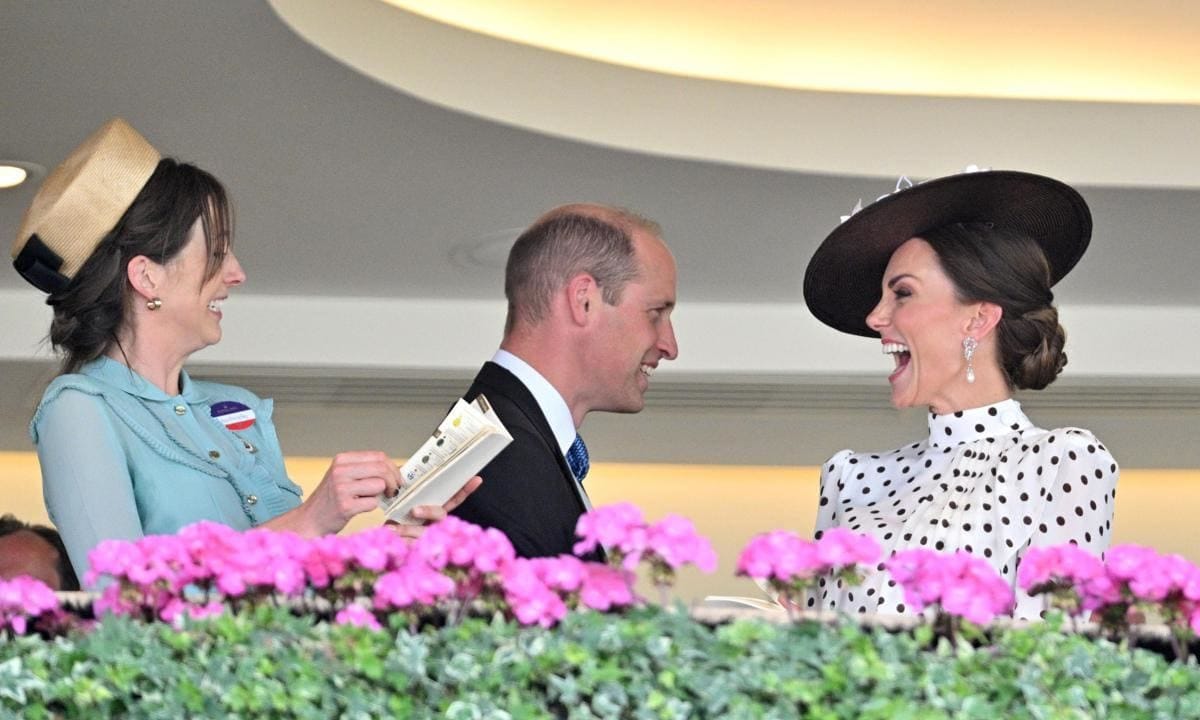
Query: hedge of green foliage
x,y
647,663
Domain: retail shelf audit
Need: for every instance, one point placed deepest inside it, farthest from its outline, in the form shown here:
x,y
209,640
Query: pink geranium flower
x,y
455,543
666,545
1099,592
1057,565
620,529
1139,577
378,549
606,587
472,556
1125,562
23,600
675,542
530,598
417,583
564,573
779,555
963,584
112,558
1136,574
839,548
324,561
790,564
358,616
978,593
259,562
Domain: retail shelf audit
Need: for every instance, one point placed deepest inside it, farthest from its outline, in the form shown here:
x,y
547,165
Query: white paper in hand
x,y
466,440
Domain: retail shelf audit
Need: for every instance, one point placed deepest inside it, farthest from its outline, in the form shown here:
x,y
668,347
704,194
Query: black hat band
x,y
38,264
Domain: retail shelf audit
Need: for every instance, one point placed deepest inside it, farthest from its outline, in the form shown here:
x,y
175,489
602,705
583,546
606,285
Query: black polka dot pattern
x,y
985,481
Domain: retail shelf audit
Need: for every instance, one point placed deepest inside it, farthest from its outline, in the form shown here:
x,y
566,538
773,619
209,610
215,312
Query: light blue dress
x,y
121,459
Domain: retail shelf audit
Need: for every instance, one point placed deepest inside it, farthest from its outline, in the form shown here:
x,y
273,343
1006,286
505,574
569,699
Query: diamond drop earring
x,y
969,345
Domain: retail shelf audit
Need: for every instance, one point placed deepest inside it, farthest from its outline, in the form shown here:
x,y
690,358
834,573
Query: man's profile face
x,y
26,553
636,334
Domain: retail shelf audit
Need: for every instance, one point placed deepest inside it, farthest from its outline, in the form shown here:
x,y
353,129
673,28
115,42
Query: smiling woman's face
x,y
191,302
922,324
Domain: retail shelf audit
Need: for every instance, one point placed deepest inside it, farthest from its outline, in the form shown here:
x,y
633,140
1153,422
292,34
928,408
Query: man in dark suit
x,y
590,291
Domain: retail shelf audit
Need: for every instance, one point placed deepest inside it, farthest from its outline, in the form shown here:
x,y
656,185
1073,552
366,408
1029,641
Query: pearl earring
x,y
969,345
154,304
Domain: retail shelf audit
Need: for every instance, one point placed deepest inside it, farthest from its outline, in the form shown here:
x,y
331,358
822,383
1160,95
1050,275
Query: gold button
x,y
214,454
251,499
181,409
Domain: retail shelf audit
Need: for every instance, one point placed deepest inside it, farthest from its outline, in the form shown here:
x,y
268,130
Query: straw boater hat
x,y
80,203
842,283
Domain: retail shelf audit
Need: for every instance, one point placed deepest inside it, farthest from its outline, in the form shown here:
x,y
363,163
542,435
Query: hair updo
x,y
999,265
92,310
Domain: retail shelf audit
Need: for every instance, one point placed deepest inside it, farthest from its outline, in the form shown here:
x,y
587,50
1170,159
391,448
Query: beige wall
x,y
731,503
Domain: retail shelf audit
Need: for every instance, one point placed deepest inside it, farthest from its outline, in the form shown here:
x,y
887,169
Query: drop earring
x,y
969,345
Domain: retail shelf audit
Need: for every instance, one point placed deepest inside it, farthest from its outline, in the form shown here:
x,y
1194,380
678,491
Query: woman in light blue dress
x,y
134,251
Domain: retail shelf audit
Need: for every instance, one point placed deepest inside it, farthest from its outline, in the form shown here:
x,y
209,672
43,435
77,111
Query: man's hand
x,y
430,514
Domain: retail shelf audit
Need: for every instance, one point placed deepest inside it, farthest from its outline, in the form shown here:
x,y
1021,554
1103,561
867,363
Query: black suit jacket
x,y
528,490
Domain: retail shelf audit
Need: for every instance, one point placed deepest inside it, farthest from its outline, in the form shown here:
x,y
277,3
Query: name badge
x,y
233,414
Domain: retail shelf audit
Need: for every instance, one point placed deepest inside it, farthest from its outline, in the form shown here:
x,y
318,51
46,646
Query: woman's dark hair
x,y
1008,268
91,311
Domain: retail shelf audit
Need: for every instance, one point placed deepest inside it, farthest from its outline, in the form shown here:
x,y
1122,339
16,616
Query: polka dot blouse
x,y
986,481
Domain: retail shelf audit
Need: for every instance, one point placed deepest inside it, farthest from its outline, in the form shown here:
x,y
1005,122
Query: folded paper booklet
x,y
466,441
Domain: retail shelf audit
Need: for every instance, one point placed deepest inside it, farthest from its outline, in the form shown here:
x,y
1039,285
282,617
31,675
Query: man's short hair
x,y
564,243
66,574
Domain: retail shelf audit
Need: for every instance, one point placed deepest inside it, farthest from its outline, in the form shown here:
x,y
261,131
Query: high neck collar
x,y
978,423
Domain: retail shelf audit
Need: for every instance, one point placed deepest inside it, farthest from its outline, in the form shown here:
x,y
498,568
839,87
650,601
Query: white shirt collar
x,y
548,399
953,429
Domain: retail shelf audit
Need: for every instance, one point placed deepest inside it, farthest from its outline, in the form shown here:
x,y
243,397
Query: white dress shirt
x,y
551,403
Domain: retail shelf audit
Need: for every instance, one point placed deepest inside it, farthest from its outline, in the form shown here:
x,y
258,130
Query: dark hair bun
x,y
89,311
1007,267
1039,339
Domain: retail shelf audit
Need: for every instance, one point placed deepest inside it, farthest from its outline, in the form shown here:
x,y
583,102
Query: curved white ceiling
x,y
1028,49
1128,143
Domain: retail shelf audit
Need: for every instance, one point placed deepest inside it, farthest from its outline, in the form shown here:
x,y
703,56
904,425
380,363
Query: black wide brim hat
x,y
843,281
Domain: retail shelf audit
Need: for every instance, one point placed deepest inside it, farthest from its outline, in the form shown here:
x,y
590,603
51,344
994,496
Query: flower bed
x,y
212,623
644,663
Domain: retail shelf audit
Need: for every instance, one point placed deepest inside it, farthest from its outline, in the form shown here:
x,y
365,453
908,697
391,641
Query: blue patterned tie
x,y
577,458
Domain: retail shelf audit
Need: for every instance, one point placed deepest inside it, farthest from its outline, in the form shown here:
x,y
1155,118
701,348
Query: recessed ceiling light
x,y
16,172
12,176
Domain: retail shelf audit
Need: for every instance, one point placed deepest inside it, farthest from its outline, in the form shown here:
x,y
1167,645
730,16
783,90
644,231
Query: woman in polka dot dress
x,y
954,277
